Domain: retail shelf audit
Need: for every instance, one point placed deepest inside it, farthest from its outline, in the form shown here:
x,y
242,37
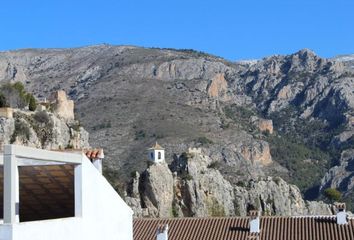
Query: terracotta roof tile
x,y
156,146
94,153
237,228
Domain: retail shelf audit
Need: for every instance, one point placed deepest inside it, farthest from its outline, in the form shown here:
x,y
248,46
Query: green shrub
x,y
214,165
174,211
332,194
204,140
134,174
102,125
3,101
21,130
14,95
215,209
69,146
32,103
140,134
76,126
186,176
241,184
41,117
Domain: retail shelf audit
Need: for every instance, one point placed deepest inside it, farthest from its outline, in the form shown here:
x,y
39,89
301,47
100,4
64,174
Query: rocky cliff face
x,y
342,176
129,97
193,186
42,129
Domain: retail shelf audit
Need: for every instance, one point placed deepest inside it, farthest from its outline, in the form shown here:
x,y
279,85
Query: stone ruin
x,y
6,112
60,104
194,151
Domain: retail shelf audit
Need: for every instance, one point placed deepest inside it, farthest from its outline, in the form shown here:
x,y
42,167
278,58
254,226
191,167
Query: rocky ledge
x,y
193,186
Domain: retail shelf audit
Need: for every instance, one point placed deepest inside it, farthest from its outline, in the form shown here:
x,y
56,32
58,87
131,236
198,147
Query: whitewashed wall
x,y
105,216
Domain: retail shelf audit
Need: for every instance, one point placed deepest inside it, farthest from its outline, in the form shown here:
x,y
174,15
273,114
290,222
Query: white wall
x,y
65,228
162,156
105,216
5,232
155,155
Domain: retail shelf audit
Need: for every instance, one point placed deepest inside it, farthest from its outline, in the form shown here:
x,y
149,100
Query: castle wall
x,y
62,107
6,112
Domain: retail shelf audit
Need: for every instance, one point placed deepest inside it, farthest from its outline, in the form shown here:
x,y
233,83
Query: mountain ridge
x,y
129,97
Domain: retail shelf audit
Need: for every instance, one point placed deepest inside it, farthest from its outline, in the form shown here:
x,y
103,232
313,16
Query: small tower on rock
x,y
156,154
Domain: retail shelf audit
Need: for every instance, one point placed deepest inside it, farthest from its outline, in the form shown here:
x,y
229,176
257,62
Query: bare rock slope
x,y
194,187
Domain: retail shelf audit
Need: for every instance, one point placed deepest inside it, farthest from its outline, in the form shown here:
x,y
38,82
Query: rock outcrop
x,y
193,186
218,86
273,196
265,125
257,152
42,129
156,189
342,176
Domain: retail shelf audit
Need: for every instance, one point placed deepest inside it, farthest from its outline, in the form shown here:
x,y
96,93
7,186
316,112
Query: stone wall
x,y
6,112
62,107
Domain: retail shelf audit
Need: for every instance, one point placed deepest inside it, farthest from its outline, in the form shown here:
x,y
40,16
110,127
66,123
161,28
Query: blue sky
x,y
236,29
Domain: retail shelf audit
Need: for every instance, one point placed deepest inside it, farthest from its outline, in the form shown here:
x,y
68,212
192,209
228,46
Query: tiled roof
x,y
237,228
94,153
156,146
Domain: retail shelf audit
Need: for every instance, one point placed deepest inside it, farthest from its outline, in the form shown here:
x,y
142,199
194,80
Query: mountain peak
x,y
305,53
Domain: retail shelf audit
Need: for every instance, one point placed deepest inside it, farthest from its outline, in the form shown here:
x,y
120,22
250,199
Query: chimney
x,y
341,214
254,221
162,232
96,156
97,161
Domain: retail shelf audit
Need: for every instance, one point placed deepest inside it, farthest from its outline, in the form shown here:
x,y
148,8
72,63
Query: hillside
x,y
129,97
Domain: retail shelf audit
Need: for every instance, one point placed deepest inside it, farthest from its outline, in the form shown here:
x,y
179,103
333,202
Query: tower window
x,y
159,155
152,155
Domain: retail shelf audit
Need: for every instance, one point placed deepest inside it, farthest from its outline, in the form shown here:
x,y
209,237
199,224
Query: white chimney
x,y
254,221
162,233
97,162
342,217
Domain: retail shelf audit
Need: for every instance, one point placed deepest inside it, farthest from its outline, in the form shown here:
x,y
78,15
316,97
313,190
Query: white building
x,y
57,196
156,154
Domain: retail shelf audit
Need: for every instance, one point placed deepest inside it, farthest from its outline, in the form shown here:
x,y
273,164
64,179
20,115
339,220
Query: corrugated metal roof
x,y
237,228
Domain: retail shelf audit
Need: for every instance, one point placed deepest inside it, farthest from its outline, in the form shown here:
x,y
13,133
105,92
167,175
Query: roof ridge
x,y
235,217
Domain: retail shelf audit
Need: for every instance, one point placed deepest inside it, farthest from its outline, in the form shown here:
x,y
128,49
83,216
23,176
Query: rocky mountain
x,y
281,116
341,176
192,186
346,59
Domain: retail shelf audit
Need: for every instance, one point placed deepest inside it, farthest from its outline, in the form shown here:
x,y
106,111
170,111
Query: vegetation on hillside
x,y
306,164
14,95
332,194
241,116
304,147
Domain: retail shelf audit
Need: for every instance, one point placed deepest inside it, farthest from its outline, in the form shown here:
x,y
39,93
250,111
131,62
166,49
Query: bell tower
x,y
156,153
